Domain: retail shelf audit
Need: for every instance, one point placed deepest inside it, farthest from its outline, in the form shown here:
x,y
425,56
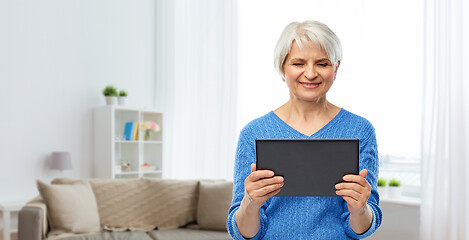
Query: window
x,y
380,77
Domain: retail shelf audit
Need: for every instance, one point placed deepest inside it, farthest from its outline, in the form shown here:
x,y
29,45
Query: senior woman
x,y
307,56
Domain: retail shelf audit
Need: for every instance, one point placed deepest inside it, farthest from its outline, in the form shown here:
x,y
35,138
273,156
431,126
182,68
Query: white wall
x,y
55,58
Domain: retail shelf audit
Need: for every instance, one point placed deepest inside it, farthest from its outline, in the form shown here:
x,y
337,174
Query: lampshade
x,y
61,161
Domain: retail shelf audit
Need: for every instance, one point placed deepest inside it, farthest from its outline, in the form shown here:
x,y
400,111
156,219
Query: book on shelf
x,y
129,130
135,133
138,132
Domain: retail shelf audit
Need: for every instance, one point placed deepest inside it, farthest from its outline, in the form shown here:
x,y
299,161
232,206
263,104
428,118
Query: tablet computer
x,y
310,167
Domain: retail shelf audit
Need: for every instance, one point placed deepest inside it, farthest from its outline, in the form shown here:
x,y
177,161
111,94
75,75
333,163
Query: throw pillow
x,y
214,203
71,208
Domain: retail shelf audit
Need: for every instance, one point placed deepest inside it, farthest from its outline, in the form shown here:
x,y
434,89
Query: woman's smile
x,y
310,85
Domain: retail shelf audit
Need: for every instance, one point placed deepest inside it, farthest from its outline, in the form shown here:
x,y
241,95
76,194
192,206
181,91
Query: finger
x,y
353,186
254,186
269,181
363,173
266,197
259,174
256,175
260,195
356,179
349,193
265,191
353,200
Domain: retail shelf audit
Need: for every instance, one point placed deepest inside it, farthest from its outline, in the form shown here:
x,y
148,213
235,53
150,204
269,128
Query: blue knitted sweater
x,y
305,217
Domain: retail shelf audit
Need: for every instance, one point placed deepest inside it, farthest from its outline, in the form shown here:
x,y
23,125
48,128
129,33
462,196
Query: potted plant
x,y
122,97
110,92
394,188
382,187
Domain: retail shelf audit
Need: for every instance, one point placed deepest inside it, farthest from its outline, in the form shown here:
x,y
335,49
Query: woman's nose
x,y
310,72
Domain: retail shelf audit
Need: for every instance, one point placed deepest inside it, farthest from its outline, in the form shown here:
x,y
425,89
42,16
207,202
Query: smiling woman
x,y
309,66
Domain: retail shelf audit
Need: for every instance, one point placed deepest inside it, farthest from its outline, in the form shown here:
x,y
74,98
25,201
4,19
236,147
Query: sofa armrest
x,y
32,221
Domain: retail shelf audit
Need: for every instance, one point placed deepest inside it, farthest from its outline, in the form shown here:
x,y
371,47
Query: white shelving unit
x,y
110,149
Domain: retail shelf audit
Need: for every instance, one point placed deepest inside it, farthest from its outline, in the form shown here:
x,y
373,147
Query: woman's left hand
x,y
355,191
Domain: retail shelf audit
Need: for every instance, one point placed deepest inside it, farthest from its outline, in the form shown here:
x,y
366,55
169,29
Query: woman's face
x,y
308,73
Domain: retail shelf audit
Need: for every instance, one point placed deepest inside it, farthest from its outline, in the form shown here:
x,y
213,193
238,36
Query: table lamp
x,y
61,161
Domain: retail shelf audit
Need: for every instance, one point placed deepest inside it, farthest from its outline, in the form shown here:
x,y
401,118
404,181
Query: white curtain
x,y
196,86
445,139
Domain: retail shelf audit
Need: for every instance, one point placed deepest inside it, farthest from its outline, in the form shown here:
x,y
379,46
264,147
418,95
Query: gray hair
x,y
321,35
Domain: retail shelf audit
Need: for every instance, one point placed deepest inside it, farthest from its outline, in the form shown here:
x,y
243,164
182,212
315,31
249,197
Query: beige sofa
x,y
140,209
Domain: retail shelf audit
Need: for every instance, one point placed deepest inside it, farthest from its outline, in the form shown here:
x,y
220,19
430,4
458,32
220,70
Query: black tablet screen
x,y
310,167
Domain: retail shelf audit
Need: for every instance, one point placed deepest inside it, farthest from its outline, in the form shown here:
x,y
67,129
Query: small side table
x,y
7,208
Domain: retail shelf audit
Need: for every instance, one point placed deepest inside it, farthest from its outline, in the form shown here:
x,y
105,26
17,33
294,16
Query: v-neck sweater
x,y
305,217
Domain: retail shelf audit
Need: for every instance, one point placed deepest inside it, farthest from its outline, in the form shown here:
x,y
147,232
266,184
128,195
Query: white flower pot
x,y
394,192
382,191
111,100
122,101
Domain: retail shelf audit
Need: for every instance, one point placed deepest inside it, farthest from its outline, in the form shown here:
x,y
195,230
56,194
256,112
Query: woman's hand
x,y
261,185
355,191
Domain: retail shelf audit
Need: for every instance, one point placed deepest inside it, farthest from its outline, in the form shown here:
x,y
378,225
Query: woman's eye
x,y
323,64
298,64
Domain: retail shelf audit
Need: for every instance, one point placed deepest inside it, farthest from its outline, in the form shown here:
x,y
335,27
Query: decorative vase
x,y
110,100
122,101
382,191
147,135
394,192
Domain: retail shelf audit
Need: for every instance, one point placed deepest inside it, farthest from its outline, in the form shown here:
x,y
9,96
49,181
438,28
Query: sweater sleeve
x,y
369,161
245,156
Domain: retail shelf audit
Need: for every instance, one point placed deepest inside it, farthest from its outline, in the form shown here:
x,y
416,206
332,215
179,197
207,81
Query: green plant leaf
x,y
394,183
110,91
122,93
381,182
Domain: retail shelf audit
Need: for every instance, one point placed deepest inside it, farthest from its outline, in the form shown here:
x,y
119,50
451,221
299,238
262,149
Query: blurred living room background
x,y
206,66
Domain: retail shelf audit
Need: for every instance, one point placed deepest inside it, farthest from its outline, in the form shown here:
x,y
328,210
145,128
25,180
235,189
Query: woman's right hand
x,y
261,185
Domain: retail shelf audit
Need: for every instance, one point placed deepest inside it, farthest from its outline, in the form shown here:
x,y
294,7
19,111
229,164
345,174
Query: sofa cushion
x,y
184,233
71,207
214,203
144,203
134,235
